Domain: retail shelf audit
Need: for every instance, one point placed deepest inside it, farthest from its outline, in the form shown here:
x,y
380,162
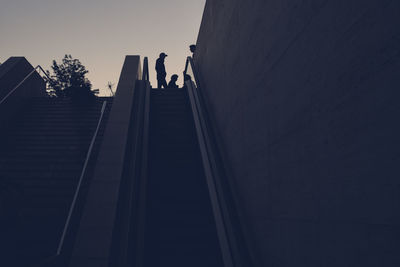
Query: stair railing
x,y
234,251
83,172
53,259
38,67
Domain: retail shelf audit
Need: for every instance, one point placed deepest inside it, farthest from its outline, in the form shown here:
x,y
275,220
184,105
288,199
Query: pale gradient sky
x,y
100,33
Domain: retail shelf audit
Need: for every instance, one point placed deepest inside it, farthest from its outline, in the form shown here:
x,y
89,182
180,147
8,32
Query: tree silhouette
x,y
68,79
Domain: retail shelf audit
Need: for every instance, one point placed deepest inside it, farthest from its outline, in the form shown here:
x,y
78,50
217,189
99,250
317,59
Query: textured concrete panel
x,y
305,99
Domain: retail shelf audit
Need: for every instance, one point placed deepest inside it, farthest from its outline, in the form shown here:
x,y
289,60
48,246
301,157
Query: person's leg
x,y
159,83
164,83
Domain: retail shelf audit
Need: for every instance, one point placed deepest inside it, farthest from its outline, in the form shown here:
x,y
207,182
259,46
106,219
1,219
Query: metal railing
x,y
60,246
234,253
83,172
23,80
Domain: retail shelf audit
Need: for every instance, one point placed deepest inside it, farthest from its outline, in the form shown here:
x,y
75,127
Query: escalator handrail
x,y
128,240
229,230
207,158
145,74
23,80
141,214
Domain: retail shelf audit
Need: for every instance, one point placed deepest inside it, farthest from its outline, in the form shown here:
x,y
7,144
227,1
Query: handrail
x,y
19,84
129,239
77,191
210,176
225,227
145,74
141,213
78,188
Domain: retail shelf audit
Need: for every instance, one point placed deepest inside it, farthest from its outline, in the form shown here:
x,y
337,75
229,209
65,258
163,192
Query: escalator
x,y
180,226
174,206
141,186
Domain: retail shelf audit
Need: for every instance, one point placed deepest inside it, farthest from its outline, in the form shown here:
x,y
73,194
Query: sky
x,y
100,33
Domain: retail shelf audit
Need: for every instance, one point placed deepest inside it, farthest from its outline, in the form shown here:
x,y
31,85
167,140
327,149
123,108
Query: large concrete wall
x,y
305,96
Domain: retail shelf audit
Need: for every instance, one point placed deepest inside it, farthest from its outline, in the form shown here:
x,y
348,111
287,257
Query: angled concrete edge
x,y
12,72
94,237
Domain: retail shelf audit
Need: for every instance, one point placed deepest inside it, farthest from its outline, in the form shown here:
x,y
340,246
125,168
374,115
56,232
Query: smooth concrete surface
x,y
13,72
305,98
93,242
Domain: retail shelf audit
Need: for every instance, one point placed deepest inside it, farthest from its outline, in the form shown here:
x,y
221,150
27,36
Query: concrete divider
x,y
94,239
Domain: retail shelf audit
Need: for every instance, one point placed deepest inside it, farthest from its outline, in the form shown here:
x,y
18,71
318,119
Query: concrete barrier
x,y
94,239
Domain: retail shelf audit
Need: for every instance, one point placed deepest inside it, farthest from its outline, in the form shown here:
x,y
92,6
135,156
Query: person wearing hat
x,y
161,73
172,84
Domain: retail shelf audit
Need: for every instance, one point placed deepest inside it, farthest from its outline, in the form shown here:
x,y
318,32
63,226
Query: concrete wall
x,y
305,95
13,72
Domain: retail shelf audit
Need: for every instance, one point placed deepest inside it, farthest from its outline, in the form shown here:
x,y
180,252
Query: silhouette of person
x,y
172,83
161,73
192,48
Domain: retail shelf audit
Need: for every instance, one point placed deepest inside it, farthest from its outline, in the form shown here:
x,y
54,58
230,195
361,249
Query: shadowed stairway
x,y
41,159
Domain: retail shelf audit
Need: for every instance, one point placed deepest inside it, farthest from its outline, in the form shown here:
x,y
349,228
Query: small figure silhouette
x,y
186,78
161,73
172,83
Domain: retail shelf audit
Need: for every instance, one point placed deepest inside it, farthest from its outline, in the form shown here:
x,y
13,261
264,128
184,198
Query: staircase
x,y
180,228
41,159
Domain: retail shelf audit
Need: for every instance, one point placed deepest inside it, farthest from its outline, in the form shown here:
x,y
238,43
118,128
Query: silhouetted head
x,y
163,55
174,77
192,48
